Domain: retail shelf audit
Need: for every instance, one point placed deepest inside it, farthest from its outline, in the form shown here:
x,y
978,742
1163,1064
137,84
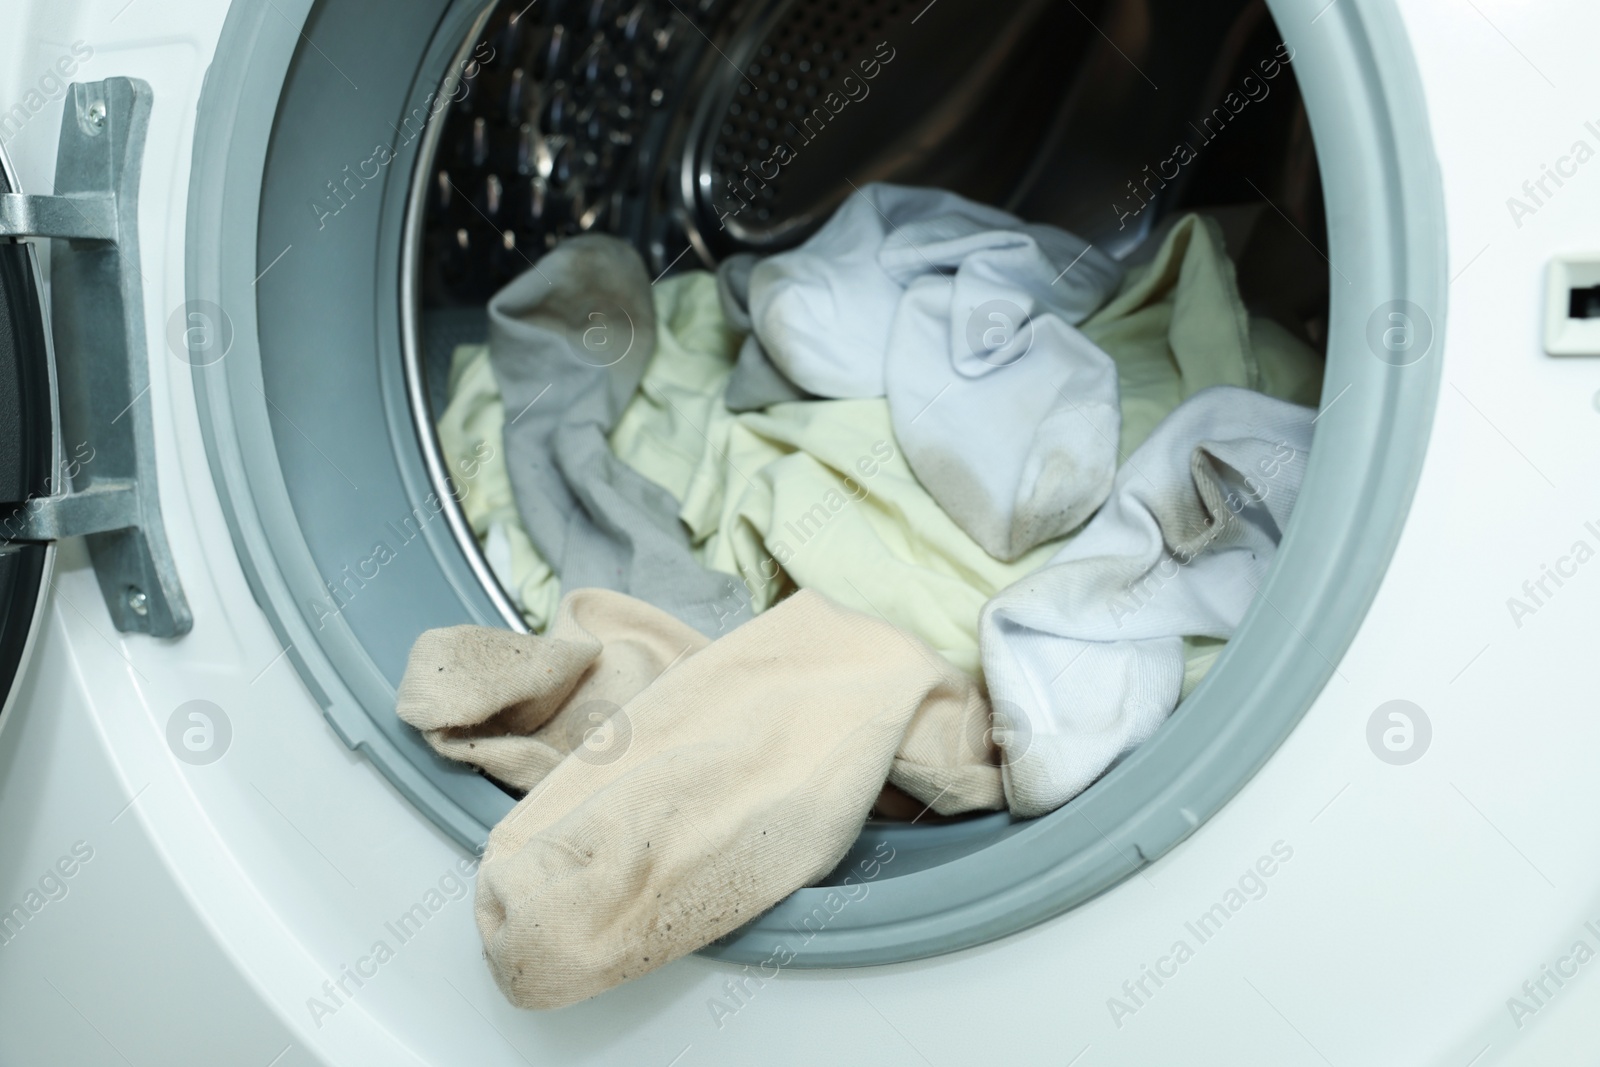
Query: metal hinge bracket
x,y
101,363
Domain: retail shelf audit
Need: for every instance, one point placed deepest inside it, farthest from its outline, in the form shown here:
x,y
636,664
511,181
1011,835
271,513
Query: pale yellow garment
x,y
664,430
816,493
1178,326
821,490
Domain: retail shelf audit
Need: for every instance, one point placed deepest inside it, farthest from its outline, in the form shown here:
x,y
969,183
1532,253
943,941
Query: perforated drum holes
x,y
199,732
817,61
1399,732
1399,332
199,332
565,104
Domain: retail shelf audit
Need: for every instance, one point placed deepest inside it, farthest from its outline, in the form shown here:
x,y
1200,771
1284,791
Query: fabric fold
x,y
1084,659
755,382
516,706
569,341
963,317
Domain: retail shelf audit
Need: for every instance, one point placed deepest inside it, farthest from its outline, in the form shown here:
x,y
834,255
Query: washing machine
x,y
241,240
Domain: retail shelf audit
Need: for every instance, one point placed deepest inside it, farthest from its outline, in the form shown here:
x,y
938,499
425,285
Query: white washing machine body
x,y
284,903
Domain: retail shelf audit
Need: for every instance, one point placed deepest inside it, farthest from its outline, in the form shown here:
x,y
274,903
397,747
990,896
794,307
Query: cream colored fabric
x,y
516,705
720,777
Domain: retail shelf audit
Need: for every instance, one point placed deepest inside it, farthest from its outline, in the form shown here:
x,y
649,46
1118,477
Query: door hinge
x,y
102,374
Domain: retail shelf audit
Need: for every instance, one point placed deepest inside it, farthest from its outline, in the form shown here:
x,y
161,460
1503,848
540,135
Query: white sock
x,y
964,317
1007,414
1084,659
823,310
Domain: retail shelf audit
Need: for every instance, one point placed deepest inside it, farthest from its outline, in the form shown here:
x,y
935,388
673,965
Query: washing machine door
x,y
28,448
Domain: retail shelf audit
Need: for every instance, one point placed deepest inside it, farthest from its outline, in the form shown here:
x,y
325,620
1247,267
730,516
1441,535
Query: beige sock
x,y
721,785
517,705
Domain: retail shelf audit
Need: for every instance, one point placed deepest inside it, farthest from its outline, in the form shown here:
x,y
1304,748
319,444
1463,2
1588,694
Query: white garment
x,y
823,310
1084,659
963,316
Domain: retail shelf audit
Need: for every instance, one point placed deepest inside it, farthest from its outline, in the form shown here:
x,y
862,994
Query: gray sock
x,y
569,341
755,382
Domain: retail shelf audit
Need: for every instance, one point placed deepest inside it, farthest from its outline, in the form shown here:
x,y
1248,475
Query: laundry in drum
x,y
985,505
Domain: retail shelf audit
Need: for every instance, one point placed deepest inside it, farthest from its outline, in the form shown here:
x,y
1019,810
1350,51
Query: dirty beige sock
x,y
739,775
516,705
